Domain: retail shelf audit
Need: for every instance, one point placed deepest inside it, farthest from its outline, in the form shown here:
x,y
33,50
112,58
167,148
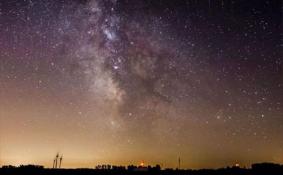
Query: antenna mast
x,y
179,163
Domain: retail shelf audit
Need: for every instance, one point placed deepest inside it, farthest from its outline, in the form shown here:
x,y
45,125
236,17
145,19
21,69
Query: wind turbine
x,y
61,158
54,163
56,159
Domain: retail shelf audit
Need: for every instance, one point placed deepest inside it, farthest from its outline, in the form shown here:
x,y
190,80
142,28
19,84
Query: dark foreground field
x,y
257,169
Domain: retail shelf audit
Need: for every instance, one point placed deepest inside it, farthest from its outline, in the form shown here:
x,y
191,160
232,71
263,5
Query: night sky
x,y
125,81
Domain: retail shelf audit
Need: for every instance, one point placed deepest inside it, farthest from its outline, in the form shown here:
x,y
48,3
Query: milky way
x,y
124,81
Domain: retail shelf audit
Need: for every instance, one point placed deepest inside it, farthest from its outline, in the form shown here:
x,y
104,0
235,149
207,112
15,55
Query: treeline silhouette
x,y
256,169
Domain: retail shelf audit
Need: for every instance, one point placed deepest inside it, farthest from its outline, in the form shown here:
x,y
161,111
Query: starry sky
x,y
123,81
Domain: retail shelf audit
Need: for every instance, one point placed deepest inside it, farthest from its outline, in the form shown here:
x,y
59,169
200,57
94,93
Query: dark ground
x,y
257,169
